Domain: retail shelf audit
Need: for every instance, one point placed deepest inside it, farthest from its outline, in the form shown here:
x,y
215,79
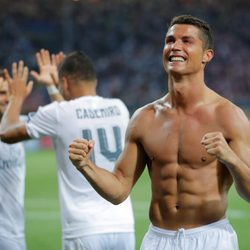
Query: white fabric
x,y
83,211
12,185
110,241
8,243
215,236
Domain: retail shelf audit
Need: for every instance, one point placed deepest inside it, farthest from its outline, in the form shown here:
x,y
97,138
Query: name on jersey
x,y
110,111
10,163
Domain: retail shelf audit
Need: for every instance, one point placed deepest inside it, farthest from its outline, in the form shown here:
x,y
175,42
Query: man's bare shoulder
x,y
231,117
149,111
229,110
144,116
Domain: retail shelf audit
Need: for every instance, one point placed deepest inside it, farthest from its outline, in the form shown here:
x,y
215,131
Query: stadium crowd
x,y
125,38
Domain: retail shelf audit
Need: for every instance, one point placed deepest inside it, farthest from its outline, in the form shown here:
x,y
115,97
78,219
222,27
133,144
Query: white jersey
x,y
12,185
83,211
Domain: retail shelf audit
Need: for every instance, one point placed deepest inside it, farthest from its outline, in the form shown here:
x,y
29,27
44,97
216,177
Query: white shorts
x,y
219,235
12,244
107,241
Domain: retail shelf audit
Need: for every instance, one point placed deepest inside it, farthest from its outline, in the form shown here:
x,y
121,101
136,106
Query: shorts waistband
x,y
189,231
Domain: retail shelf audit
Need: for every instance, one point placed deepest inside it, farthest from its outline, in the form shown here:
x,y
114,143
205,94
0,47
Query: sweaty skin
x,y
189,186
194,142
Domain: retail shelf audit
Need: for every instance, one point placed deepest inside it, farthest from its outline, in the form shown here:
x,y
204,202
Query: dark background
x,y
125,40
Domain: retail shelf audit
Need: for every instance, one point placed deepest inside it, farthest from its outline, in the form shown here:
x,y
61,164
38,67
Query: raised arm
x,y
12,129
235,152
48,73
113,186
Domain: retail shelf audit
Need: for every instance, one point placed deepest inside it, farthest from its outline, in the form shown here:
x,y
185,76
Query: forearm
x,y
11,116
110,185
241,176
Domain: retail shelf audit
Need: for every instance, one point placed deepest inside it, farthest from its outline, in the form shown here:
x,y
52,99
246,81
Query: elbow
x,y
119,199
4,138
246,198
7,139
14,135
244,195
116,201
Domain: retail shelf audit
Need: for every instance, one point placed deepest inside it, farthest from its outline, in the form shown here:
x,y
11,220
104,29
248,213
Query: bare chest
x,y
177,139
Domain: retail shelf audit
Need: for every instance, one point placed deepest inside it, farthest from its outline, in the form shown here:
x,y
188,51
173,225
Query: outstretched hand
x,y
80,151
18,85
47,64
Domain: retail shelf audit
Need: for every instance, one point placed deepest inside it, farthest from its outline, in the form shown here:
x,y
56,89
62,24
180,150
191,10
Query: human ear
x,y
207,56
65,81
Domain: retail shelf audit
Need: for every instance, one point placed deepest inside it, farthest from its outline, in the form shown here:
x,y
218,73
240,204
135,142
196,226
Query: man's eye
x,y
169,41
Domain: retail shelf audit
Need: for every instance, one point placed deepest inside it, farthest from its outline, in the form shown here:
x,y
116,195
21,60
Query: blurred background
x,y
125,39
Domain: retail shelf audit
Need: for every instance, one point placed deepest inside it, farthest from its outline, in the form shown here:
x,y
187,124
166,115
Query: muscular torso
x,y
189,186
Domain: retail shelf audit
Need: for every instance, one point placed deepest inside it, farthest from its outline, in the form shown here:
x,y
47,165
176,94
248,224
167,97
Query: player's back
x,y
92,117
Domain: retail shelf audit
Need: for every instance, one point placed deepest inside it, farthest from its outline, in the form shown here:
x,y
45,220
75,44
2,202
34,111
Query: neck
x,y
83,88
83,92
186,93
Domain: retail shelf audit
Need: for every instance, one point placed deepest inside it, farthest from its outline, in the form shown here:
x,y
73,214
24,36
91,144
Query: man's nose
x,y
177,45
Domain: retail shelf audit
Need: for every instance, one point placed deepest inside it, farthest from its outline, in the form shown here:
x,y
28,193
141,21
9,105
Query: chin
x,y
175,71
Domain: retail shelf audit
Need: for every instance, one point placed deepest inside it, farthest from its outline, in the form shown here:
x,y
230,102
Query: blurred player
x,y
12,185
88,220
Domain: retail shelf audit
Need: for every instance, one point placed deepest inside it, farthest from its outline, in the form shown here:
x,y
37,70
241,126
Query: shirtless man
x,y
195,144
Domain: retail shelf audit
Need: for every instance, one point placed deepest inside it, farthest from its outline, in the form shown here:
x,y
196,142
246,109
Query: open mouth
x,y
176,59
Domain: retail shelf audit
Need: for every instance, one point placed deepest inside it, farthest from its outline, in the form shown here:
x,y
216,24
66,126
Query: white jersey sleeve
x,y
43,122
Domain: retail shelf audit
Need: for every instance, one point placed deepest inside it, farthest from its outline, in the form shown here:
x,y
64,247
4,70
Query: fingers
x,y
39,60
18,85
79,152
59,57
29,87
7,75
80,147
43,58
46,56
211,140
53,59
212,137
25,74
35,75
215,144
14,70
19,71
75,158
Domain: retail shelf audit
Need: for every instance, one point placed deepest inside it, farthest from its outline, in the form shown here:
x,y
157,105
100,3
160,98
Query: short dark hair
x,y
203,26
78,66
